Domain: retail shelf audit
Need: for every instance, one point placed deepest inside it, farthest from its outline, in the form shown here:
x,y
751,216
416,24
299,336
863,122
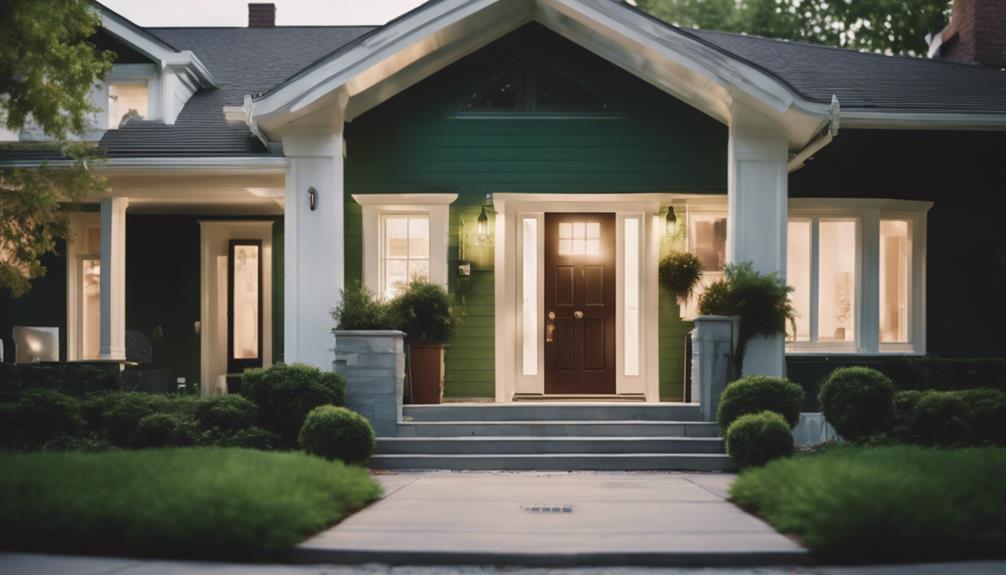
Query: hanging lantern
x,y
671,221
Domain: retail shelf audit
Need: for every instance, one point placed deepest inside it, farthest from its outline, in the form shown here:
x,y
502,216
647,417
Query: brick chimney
x,y
976,33
261,15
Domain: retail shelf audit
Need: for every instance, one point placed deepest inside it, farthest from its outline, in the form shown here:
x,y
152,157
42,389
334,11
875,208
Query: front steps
x,y
553,437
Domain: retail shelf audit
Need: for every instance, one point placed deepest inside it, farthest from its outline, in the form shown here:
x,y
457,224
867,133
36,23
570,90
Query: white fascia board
x,y
157,51
274,164
912,120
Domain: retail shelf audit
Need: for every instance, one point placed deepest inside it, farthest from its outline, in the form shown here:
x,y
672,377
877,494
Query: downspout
x,y
827,134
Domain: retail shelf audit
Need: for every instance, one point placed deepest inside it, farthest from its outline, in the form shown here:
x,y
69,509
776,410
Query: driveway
x,y
553,519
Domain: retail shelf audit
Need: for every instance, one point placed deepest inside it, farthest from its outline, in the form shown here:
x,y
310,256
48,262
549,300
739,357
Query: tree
x,y
887,26
48,67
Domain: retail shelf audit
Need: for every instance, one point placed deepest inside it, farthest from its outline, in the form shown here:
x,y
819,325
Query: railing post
x,y
712,359
373,363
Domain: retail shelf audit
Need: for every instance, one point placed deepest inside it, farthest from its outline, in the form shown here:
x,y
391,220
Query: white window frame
x,y
868,213
436,207
713,208
130,74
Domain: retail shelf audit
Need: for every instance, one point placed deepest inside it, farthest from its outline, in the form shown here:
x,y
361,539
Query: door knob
x,y
578,314
550,333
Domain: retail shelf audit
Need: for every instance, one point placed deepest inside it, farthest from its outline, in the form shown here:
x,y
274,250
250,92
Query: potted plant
x,y
680,272
425,312
760,300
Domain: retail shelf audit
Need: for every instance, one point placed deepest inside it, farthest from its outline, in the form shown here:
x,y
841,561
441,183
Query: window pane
x,y
529,289
419,238
837,281
798,276
126,101
396,277
90,308
396,237
895,266
246,299
501,95
557,93
419,270
631,312
708,239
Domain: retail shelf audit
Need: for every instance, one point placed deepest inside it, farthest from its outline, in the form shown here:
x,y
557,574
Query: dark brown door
x,y
580,303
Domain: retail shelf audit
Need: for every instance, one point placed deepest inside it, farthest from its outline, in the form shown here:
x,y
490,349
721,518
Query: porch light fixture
x,y
482,228
671,221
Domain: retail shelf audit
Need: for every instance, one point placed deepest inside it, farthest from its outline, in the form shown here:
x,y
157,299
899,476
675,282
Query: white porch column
x,y
314,250
757,201
112,338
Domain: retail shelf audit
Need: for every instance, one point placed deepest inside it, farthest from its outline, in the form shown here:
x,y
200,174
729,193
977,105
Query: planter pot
x,y
427,372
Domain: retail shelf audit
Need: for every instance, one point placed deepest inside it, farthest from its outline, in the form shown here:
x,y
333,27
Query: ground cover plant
x,y
195,503
903,503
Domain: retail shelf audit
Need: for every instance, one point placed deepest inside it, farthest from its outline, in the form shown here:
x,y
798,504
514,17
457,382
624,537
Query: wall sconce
x,y
482,227
671,222
312,198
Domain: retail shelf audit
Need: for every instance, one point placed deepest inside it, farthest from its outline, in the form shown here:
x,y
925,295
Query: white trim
x,y
375,206
893,119
239,164
113,278
214,238
511,210
80,222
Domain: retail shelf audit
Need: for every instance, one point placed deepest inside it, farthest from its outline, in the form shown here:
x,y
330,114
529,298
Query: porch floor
x,y
553,519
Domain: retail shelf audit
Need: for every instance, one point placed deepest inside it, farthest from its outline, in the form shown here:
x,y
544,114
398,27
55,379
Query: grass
x,y
194,503
855,504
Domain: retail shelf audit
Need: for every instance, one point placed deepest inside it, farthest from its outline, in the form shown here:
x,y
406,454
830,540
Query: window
x,y
406,253
529,289
631,289
856,287
84,287
245,305
533,88
126,101
707,240
579,238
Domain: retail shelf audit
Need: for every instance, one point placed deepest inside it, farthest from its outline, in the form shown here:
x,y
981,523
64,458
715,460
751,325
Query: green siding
x,y
412,144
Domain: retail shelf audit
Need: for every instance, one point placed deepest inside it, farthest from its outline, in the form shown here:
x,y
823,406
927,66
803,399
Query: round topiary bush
x,y
756,393
227,412
858,402
286,393
163,430
756,438
337,433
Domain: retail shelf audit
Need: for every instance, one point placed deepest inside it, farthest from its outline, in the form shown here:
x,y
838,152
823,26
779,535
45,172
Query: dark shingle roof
x,y
863,80
243,61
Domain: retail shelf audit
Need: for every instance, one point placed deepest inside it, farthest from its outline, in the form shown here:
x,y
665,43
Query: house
x,y
255,171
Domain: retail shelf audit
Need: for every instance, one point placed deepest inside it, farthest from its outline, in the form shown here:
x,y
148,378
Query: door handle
x,y
578,314
550,333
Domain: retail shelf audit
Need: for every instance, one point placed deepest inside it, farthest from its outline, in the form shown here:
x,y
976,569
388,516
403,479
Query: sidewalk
x,y
553,519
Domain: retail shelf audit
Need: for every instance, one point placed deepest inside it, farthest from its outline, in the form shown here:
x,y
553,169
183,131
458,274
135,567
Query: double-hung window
x,y
405,251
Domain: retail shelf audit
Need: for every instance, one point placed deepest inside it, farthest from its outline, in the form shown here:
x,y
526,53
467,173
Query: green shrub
x,y
757,393
972,417
985,412
939,419
164,430
71,379
757,438
232,504
86,444
249,438
761,300
358,309
227,412
117,415
903,414
880,504
680,272
286,393
40,415
425,312
858,402
337,433
946,374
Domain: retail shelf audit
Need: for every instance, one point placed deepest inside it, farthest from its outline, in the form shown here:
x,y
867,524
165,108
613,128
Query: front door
x,y
580,303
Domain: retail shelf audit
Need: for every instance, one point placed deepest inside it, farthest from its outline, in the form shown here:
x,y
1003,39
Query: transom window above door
x,y
533,88
405,253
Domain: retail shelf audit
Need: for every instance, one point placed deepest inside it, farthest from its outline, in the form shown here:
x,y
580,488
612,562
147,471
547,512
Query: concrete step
x,y
545,445
613,428
558,462
591,411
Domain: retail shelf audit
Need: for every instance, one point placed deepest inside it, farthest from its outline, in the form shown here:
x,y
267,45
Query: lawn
x,y
885,504
207,503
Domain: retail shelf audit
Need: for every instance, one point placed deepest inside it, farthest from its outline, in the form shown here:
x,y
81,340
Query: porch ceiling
x,y
206,194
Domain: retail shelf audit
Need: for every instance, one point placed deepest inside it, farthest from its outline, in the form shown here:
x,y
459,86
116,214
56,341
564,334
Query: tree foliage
x,y
48,67
887,26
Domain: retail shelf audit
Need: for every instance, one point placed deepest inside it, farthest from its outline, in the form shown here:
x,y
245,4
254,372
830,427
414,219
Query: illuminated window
x,y
84,287
246,301
405,252
837,281
895,280
707,240
126,101
529,289
798,275
579,238
631,288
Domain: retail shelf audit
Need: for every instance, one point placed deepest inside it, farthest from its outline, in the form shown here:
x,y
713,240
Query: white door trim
x,y
214,238
511,210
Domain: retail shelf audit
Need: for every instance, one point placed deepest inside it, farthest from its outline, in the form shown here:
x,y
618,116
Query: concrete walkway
x,y
553,519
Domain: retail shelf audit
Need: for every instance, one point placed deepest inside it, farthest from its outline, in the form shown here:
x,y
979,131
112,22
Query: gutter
x,y
827,134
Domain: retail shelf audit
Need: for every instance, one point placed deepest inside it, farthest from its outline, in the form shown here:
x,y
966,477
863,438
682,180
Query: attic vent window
x,y
534,89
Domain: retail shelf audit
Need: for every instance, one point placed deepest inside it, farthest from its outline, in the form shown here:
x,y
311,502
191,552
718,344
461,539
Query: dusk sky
x,y
235,12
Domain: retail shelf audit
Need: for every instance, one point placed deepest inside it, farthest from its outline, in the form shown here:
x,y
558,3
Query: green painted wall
x,y
413,144
964,175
